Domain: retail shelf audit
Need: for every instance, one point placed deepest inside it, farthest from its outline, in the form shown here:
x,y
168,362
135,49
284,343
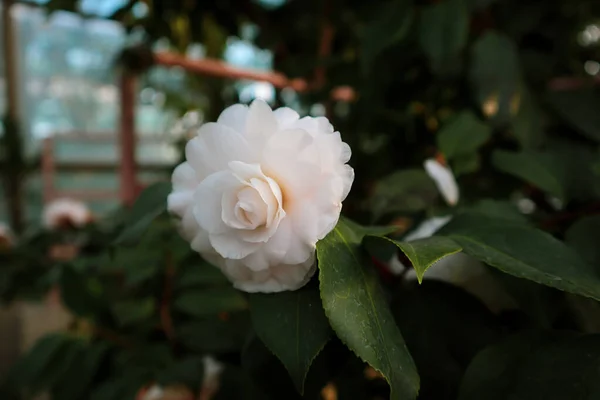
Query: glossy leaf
x,y
423,253
76,381
134,311
528,125
444,327
494,75
542,365
216,334
443,30
403,191
202,274
390,25
538,169
293,326
204,302
151,203
358,312
463,135
579,108
582,236
524,252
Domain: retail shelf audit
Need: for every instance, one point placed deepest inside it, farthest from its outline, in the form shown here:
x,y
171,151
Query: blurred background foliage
x,y
504,91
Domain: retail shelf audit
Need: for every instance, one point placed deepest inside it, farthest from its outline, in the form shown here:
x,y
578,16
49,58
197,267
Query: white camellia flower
x,y
258,190
444,180
63,213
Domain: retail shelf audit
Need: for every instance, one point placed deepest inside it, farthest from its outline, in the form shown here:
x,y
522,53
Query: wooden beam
x,y
128,167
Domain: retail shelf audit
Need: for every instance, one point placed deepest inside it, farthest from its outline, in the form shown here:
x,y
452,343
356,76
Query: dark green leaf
x,y
76,381
528,125
132,312
293,326
423,253
390,25
580,109
583,237
538,169
358,312
466,164
536,365
495,76
444,328
216,334
463,135
524,252
82,295
151,203
403,191
497,209
38,361
205,302
202,274
443,30
188,372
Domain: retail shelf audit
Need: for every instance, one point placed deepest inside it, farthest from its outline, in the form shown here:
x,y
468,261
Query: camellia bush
x,y
433,236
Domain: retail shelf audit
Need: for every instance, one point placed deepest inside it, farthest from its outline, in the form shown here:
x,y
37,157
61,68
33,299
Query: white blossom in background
x,y
212,377
156,392
186,126
444,180
7,237
258,190
62,213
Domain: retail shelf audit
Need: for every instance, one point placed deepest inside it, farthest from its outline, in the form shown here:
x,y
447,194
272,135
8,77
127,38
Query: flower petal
x,y
444,180
261,122
214,147
234,117
285,117
230,245
207,199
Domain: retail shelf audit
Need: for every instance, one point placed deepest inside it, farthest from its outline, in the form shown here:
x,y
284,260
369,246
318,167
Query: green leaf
x,y
293,326
82,295
444,327
76,381
536,365
188,372
497,209
151,203
463,135
358,312
528,125
132,312
216,334
403,191
466,164
539,169
204,302
443,31
389,26
32,368
423,253
202,274
495,75
524,252
580,109
583,237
